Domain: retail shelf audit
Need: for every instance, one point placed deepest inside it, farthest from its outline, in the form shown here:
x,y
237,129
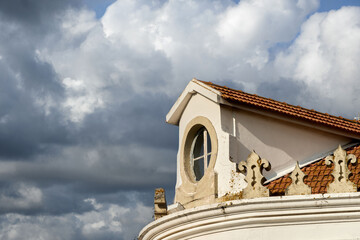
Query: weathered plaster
x,y
160,206
328,216
190,192
341,171
281,142
297,186
253,167
238,132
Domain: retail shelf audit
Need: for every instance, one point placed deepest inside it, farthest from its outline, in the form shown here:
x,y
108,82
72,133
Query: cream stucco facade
x,y
240,130
207,208
329,216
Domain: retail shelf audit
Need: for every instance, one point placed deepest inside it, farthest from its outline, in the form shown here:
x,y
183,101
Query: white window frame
x,y
205,155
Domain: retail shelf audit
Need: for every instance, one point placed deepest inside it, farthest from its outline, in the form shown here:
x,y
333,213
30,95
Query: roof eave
x,y
194,87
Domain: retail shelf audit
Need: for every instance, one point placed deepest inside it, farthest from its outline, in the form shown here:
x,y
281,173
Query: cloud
x,y
325,57
252,28
20,198
83,138
33,13
106,221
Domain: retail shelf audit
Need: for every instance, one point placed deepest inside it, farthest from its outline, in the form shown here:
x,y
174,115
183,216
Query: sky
x,y
85,86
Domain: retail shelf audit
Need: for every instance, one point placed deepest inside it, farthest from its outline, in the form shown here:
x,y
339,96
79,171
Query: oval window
x,y
200,153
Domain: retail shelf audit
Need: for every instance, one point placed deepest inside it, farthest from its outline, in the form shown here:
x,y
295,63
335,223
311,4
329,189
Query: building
x,y
250,167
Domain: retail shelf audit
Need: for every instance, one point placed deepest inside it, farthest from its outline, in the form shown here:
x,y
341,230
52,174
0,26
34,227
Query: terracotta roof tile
x,y
268,104
319,175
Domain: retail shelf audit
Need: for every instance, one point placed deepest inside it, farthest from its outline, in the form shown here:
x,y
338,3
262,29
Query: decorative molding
x,y
192,193
297,187
288,214
253,168
341,171
176,207
160,207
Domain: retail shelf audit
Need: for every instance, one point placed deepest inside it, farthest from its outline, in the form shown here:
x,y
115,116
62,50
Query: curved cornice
x,y
255,213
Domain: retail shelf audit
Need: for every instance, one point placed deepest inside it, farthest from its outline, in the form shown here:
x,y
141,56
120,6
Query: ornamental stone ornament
x,y
297,187
253,168
341,171
160,206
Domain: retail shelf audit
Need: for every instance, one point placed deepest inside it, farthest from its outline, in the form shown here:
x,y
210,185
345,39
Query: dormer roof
x,y
268,104
237,98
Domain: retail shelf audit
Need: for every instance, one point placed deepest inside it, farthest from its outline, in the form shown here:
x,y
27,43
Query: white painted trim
x,y
255,213
192,88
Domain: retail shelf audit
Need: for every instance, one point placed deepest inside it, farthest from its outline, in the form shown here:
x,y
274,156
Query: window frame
x,y
190,133
202,132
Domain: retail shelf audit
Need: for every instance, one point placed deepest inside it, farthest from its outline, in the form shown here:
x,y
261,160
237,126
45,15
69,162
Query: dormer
x,y
219,127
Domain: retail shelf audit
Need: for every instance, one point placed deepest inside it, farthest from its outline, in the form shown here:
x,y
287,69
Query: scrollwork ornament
x,y
297,187
341,172
253,168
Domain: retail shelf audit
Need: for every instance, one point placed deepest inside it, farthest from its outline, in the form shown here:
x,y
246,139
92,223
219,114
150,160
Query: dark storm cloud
x,y
92,176
24,125
29,200
124,123
26,85
286,90
33,13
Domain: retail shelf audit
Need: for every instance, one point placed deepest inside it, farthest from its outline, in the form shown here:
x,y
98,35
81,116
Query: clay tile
x,y
323,183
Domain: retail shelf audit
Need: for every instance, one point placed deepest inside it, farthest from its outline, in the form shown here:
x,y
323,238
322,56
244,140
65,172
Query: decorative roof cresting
x,y
341,172
253,167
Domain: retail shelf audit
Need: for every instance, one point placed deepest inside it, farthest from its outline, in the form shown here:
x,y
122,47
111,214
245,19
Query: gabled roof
x,y
194,87
262,103
318,175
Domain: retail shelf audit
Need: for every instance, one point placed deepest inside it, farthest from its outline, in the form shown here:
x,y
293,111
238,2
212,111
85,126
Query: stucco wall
x,y
197,106
329,216
281,142
238,132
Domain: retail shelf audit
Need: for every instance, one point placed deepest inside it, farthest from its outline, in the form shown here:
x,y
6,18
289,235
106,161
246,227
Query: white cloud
x,y
156,46
23,197
108,221
114,73
325,56
81,100
204,39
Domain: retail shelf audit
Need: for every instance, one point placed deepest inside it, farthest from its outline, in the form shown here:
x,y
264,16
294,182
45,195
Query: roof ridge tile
x,y
240,96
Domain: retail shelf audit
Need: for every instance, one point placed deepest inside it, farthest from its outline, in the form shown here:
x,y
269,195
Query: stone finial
x,y
160,207
341,171
297,187
253,168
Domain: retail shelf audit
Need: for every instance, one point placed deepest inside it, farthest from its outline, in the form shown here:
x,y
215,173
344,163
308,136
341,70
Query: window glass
x,y
200,153
199,144
208,143
199,168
